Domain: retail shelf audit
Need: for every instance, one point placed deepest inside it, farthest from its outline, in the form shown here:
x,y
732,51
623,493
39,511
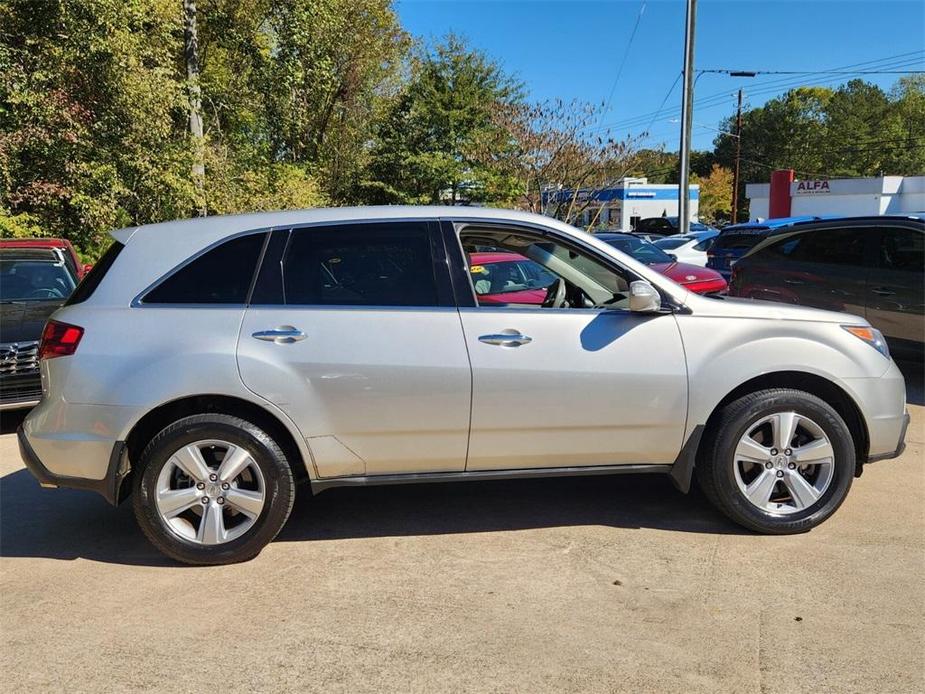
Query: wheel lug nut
x,y
213,477
769,465
788,452
773,451
205,499
792,466
225,485
200,486
780,473
220,500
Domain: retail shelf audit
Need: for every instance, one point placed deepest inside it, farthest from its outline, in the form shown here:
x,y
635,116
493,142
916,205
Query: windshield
x,y
672,242
509,276
31,279
643,251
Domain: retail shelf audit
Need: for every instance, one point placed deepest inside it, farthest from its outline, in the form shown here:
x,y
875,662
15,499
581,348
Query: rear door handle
x,y
508,338
883,291
793,281
283,335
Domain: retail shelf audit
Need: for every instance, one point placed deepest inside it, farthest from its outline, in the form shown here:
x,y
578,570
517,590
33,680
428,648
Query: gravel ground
x,y
582,585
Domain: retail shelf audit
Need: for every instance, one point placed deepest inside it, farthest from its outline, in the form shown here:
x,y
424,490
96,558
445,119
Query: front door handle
x,y
283,335
506,338
789,281
883,291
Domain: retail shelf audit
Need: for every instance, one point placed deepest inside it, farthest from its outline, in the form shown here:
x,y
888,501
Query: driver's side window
x,y
523,271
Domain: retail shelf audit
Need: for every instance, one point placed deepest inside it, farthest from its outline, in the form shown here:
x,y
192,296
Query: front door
x,y
354,333
570,377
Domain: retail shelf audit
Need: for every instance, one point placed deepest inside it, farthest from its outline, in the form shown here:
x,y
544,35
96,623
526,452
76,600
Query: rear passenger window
x,y
374,264
903,249
222,275
833,246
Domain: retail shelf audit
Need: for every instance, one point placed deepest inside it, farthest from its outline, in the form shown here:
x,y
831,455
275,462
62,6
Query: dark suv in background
x,y
869,266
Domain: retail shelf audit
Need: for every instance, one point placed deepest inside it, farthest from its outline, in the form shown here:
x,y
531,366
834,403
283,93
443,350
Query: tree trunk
x,y
191,55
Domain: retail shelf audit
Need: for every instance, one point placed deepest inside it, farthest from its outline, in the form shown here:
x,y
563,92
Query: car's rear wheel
x,y
777,461
212,489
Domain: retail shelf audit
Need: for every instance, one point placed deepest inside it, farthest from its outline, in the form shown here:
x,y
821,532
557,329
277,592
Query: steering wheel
x,y
555,294
45,294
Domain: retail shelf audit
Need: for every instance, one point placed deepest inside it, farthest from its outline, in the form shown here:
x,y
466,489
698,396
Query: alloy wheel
x,y
784,463
210,492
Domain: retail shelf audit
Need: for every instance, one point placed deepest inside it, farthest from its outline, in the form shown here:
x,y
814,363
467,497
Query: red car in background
x,y
700,280
501,277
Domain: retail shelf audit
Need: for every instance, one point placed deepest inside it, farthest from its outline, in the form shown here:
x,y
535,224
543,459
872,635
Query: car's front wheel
x,y
212,489
778,461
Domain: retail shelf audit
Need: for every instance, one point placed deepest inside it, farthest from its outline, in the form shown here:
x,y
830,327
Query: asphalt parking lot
x,y
589,585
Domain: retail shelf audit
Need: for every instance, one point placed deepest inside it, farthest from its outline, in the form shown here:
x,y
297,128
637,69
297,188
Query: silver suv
x,y
205,367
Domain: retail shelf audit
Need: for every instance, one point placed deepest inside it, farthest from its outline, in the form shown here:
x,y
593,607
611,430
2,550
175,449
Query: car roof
x,y
33,243
220,226
614,235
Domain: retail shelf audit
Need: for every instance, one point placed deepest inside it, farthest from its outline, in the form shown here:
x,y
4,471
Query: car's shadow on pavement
x,y
67,524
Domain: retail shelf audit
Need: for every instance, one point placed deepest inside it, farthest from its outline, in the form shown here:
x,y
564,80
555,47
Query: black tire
x,y
265,452
715,464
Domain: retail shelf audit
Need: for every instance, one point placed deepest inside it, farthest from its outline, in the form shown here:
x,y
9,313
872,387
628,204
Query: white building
x,y
625,202
843,196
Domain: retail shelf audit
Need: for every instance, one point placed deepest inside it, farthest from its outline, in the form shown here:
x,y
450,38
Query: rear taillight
x,y
59,340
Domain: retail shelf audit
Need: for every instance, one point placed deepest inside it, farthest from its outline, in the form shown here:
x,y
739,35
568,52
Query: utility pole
x,y
735,170
687,107
191,55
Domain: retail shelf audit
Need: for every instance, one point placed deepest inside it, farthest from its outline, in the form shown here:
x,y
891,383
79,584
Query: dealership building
x,y
785,197
624,203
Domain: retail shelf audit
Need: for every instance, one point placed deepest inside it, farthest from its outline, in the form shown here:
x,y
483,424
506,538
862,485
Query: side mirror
x,y
644,298
672,256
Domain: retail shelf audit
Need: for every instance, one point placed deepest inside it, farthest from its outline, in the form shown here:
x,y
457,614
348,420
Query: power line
x,y
767,86
626,53
752,73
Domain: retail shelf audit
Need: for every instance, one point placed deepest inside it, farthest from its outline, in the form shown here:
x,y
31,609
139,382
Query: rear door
x,y
353,331
896,296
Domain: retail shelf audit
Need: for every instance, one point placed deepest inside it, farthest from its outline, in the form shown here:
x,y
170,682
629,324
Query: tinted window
x,y
93,278
742,239
361,265
832,246
903,249
705,245
222,275
654,224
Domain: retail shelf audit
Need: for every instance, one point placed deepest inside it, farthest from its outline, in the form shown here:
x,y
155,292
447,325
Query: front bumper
x,y
109,486
900,447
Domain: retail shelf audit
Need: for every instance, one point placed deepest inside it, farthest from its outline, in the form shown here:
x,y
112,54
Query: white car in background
x,y
690,248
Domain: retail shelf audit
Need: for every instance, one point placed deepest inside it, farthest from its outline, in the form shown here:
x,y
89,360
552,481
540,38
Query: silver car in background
x,y
205,367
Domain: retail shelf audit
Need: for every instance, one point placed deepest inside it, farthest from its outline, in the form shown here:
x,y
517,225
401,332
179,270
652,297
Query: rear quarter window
x,y
221,275
93,278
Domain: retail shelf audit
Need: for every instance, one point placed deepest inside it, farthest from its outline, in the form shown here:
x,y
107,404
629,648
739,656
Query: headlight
x,y
871,336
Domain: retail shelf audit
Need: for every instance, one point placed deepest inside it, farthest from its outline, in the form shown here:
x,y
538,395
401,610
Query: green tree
x,y
428,143
715,195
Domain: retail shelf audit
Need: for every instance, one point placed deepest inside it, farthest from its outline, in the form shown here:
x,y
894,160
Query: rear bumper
x,y
109,486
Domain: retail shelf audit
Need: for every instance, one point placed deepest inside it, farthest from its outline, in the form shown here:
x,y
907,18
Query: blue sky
x,y
574,49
